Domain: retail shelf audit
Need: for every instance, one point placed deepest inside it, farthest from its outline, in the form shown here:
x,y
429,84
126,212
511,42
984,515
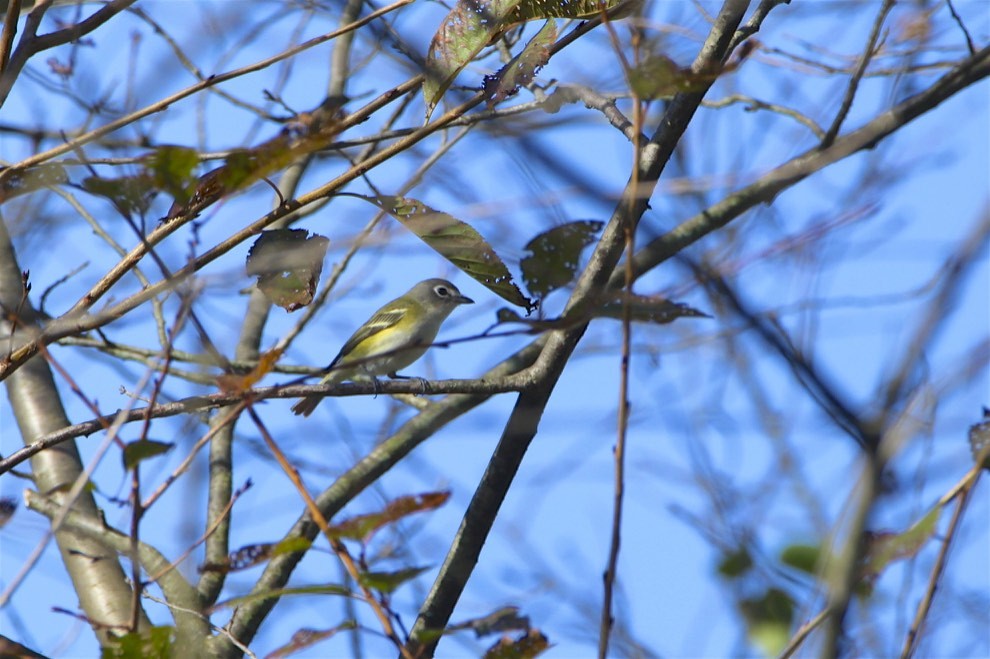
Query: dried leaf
x,y
470,26
250,555
642,308
979,441
244,167
473,24
647,309
129,194
533,644
534,9
505,619
305,638
8,506
242,558
230,383
522,68
362,527
537,325
34,178
287,263
554,255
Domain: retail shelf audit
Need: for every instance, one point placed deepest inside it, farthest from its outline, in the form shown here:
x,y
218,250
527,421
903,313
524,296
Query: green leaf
x,y
154,643
736,564
473,24
647,309
130,194
386,582
171,168
33,178
470,26
523,67
768,619
554,255
8,505
327,589
771,637
244,167
884,548
807,558
292,546
658,76
534,9
142,449
287,263
457,242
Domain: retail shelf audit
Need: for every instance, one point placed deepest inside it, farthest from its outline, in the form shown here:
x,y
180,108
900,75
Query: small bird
x,y
393,338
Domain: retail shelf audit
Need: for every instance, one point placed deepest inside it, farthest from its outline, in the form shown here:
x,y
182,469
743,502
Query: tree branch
x,y
485,386
104,593
965,74
192,627
521,425
248,617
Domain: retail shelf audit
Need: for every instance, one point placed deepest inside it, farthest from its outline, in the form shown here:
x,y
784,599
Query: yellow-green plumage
x,y
393,338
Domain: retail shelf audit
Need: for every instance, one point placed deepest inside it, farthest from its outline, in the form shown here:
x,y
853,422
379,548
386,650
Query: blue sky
x,y
703,457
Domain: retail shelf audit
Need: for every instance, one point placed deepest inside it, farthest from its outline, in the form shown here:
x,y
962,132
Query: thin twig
x,y
9,31
161,105
913,638
799,637
335,543
864,61
962,26
484,387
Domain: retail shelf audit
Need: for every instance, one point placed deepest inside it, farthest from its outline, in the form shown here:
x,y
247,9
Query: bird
x,y
393,338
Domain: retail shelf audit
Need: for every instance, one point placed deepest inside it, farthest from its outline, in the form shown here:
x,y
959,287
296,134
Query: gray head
x,y
438,294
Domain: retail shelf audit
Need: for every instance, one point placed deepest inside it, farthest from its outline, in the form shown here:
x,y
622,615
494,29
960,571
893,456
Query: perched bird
x,y
393,338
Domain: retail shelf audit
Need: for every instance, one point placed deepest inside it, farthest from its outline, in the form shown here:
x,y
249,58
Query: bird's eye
x,y
442,291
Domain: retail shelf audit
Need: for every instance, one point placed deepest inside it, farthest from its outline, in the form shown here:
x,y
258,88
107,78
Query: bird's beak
x,y
463,299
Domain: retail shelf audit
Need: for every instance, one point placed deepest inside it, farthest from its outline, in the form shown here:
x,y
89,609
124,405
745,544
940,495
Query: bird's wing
x,y
383,319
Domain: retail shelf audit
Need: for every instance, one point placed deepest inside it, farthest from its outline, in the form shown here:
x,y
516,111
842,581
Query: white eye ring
x,y
441,291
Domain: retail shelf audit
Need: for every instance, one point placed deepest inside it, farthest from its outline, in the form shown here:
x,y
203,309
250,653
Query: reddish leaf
x,y
305,637
362,527
533,644
233,384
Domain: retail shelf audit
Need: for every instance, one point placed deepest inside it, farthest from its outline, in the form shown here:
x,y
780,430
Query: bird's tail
x,y
307,404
